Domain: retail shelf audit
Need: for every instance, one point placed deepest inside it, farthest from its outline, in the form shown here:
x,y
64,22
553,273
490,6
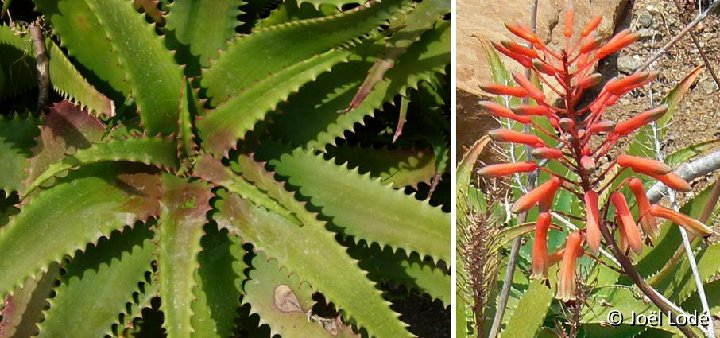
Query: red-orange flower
x,y
506,135
618,42
534,93
627,222
502,111
647,220
505,169
547,152
566,281
592,220
533,197
673,181
590,27
643,165
690,224
642,119
540,261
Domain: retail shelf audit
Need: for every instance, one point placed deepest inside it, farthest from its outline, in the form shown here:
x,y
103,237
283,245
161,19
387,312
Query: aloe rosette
x,y
209,178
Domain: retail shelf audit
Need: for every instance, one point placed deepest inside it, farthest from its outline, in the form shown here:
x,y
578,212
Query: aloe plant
x,y
612,268
190,175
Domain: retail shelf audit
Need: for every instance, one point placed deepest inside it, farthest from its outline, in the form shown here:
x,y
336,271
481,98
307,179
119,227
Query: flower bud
x,y
647,220
505,169
503,112
594,23
690,224
566,277
601,126
627,222
533,110
521,59
520,49
673,181
529,200
642,119
592,220
569,18
547,153
540,262
533,92
506,135
618,42
522,32
643,165
590,81
497,89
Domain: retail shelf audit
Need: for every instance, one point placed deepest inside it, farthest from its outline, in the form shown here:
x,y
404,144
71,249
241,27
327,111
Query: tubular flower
x,y
505,169
533,92
506,135
497,89
592,220
502,111
532,110
540,260
566,278
690,224
590,27
581,143
643,165
627,223
647,220
642,119
533,197
547,152
673,181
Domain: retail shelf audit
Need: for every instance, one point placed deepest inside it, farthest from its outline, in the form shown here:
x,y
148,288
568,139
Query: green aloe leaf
x,y
401,167
111,268
65,129
17,64
212,170
529,316
123,38
73,86
685,154
366,208
323,124
24,309
251,58
107,201
184,209
203,25
156,151
396,268
409,29
285,303
223,126
219,281
299,248
16,142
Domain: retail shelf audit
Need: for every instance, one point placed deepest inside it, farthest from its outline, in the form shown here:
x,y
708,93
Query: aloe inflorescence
x,y
581,140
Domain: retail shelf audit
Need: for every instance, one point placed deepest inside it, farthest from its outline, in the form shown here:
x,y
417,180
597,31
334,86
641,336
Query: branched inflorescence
x,y
568,72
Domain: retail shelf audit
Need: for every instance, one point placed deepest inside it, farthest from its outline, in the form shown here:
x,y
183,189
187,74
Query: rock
x,y
645,20
708,86
628,64
647,34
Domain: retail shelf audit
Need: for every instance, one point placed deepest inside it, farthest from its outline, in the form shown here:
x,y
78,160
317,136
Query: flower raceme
x,y
569,72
